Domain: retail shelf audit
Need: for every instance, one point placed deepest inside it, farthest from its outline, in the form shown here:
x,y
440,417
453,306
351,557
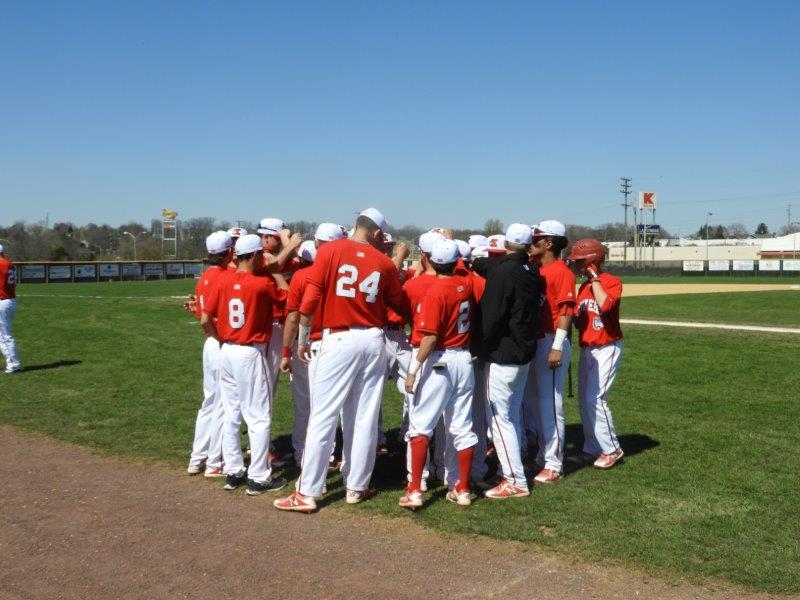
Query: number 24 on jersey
x,y
346,283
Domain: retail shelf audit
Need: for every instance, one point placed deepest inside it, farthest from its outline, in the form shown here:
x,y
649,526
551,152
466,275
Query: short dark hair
x,y
446,269
367,223
217,259
248,256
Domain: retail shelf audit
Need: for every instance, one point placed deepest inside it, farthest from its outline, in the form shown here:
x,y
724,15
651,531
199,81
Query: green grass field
x,y
708,419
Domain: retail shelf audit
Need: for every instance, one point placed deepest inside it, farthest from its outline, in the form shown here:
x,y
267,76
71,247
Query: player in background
x,y
290,363
553,349
207,445
600,337
242,306
8,306
509,317
444,367
351,281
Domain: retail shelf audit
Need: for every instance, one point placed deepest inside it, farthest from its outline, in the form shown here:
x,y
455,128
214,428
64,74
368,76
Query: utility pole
x,y
625,190
788,215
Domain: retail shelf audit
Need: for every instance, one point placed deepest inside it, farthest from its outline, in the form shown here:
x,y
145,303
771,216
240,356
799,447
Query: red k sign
x,y
647,200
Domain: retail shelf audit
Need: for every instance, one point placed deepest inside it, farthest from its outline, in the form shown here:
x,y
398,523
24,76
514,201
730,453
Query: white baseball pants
x,y
348,376
398,355
8,346
529,409
244,385
596,372
207,446
480,408
445,391
550,404
274,348
504,387
302,400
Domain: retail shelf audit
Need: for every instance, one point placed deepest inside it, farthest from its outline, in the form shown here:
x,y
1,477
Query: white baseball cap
x,y
328,232
218,242
307,251
550,228
247,244
478,240
236,232
481,251
519,233
376,217
444,252
463,249
2,249
497,244
427,240
270,226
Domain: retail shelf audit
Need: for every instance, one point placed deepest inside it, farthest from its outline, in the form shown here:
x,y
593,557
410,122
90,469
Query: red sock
x,y
464,468
419,456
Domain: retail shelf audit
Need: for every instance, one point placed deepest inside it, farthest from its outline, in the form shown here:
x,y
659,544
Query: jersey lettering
x,y
463,317
12,276
236,313
370,286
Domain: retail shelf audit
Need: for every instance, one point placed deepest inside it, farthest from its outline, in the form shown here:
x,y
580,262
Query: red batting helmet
x,y
589,250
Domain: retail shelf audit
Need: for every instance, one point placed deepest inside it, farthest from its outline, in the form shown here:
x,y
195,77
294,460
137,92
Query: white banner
x,y
744,265
109,270
59,272
769,265
719,265
195,269
32,272
693,265
174,268
133,270
791,265
85,271
152,269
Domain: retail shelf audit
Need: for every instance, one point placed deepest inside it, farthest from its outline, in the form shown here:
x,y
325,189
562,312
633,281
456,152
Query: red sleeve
x,y
212,302
428,318
294,296
199,299
393,293
613,288
565,290
478,285
315,280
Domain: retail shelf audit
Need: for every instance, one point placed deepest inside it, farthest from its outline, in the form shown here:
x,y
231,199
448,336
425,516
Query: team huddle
x,y
476,335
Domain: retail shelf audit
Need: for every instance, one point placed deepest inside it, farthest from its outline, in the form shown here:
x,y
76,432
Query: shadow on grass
x,y
52,365
632,444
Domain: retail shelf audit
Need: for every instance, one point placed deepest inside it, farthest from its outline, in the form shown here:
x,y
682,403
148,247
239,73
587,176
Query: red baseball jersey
x,y
599,325
205,285
559,296
394,318
242,304
446,312
294,299
414,290
8,279
352,283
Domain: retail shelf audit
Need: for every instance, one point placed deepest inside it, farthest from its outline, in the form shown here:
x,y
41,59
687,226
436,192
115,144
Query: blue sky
x,y
437,113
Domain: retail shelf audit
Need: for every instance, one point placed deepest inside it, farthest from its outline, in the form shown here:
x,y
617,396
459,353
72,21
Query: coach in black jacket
x,y
509,311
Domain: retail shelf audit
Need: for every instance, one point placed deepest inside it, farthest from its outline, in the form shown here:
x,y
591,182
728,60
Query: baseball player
x,y
509,314
290,363
553,350
601,348
8,306
351,281
444,366
207,446
242,305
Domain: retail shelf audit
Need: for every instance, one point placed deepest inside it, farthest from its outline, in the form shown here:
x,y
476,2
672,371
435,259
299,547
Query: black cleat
x,y
273,485
234,481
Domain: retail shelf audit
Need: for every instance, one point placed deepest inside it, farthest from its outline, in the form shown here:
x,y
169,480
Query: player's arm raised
x,y
290,245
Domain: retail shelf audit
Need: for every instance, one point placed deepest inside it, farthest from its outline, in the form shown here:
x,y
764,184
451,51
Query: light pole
x,y
794,225
133,237
708,214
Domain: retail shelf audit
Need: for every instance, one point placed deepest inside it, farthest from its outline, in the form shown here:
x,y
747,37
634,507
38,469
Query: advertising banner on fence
x,y
791,265
743,265
174,268
195,269
109,270
85,271
60,272
769,265
132,270
719,265
33,272
154,270
693,265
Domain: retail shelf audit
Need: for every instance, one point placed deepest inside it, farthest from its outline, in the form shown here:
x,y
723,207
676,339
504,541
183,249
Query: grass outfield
x,y
708,420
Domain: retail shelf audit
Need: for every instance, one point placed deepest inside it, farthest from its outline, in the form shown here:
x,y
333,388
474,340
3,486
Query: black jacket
x,y
509,309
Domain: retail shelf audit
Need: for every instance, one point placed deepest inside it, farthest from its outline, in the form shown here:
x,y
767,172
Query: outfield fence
x,y
701,268
77,272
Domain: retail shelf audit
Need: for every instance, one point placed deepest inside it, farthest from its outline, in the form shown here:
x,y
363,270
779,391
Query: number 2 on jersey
x,y
463,317
348,275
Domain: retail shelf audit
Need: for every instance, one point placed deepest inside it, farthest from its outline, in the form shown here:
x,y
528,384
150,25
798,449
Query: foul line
x,y
710,326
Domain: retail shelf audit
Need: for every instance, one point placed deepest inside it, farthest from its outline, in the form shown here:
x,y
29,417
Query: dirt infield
x,y
79,525
660,289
